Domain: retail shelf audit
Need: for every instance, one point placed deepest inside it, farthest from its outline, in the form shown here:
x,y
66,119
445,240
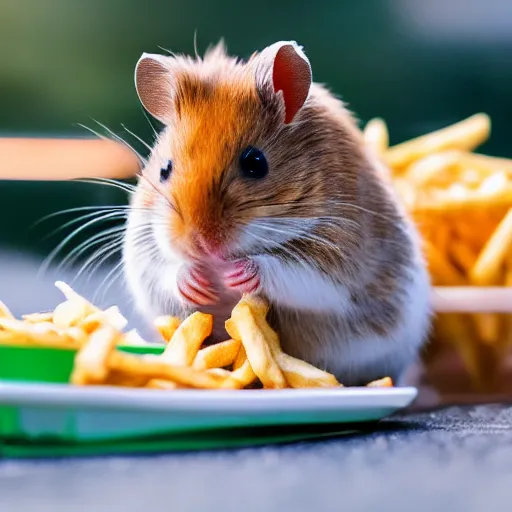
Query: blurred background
x,y
418,64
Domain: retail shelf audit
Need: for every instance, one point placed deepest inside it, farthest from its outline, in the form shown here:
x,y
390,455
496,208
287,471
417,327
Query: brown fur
x,y
318,168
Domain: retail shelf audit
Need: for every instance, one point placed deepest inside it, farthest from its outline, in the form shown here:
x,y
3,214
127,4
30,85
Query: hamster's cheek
x,y
164,241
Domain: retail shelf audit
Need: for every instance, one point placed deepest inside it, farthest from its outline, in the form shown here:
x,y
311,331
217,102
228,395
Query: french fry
x,y
4,311
376,135
91,362
464,135
240,358
297,373
433,166
154,367
96,334
133,337
35,318
240,378
475,238
188,338
441,270
71,313
485,164
167,326
463,200
74,310
14,339
123,380
243,326
488,326
111,316
162,384
219,372
486,269
37,334
77,335
462,254
217,356
386,382
70,294
442,238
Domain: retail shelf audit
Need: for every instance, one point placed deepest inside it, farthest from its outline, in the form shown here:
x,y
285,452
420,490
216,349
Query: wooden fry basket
x,y
461,203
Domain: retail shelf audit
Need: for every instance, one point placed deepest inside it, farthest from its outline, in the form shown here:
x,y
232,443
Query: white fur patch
x,y
397,349
301,286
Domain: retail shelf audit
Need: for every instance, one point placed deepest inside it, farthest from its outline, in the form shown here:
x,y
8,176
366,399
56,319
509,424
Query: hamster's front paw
x,y
242,276
195,288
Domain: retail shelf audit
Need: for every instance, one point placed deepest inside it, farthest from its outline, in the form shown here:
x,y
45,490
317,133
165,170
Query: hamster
x,y
260,183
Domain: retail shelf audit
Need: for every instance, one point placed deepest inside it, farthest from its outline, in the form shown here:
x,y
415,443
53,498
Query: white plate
x,y
100,413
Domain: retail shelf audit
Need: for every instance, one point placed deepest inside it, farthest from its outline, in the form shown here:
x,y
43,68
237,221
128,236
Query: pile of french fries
x,y
461,202
251,357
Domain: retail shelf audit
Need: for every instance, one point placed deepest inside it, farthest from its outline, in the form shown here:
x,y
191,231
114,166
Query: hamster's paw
x,y
242,276
195,288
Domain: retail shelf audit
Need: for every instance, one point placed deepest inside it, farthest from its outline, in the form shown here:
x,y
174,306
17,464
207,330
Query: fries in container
x,y
461,202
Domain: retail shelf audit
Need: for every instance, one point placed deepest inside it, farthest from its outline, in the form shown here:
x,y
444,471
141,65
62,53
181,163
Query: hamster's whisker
x,y
265,202
323,221
119,215
100,256
297,205
125,187
279,245
47,261
94,240
170,52
161,194
110,278
366,210
117,275
81,209
264,241
115,137
147,254
300,235
98,209
95,260
155,133
135,136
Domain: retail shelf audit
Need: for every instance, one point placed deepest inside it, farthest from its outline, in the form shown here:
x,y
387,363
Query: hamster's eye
x,y
165,172
253,163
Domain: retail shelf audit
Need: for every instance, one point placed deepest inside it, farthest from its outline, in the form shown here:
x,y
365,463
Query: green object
x,y
40,364
207,440
42,415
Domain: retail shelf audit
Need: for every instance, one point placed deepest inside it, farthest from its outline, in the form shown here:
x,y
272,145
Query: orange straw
x,y
65,159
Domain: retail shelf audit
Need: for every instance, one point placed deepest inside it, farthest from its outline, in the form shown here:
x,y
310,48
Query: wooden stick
x,y
65,159
472,299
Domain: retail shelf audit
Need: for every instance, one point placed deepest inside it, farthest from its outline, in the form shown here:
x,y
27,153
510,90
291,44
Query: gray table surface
x,y
453,459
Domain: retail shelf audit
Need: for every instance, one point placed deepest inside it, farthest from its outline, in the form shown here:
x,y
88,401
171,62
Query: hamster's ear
x,y
153,84
288,69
